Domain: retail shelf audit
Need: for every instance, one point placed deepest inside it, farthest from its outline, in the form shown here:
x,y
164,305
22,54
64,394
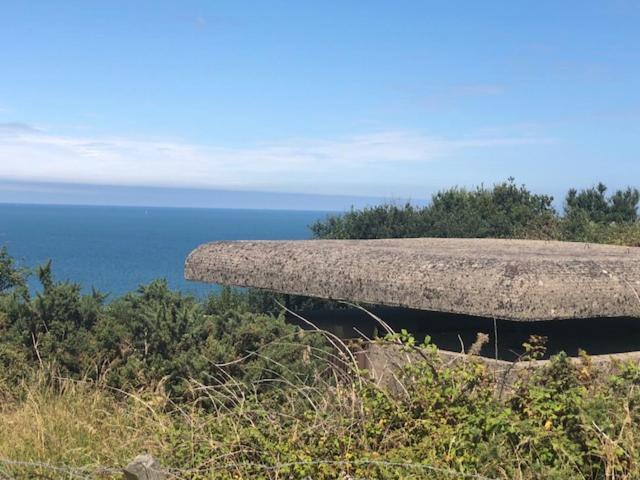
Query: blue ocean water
x,y
115,249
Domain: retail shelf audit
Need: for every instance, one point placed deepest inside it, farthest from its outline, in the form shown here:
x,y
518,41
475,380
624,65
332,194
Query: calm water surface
x,y
115,249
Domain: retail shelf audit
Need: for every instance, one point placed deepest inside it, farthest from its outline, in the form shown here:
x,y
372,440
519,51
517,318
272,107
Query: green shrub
x,y
145,339
11,277
621,207
504,211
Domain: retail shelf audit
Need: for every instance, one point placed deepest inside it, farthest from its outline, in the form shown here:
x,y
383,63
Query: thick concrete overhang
x,y
521,280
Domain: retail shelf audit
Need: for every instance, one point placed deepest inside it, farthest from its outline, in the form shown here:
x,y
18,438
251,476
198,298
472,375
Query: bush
x,y
506,211
563,420
503,211
11,277
148,338
621,207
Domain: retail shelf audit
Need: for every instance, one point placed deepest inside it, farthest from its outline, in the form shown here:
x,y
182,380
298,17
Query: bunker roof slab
x,y
522,280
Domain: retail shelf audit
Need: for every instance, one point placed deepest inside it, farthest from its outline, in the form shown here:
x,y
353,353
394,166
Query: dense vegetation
x,y
224,388
504,211
145,338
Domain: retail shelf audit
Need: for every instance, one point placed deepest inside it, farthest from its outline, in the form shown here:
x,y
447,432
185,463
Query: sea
x,y
117,249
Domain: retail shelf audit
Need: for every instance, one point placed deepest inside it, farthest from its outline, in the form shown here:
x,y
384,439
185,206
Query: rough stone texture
x,y
521,280
382,361
144,467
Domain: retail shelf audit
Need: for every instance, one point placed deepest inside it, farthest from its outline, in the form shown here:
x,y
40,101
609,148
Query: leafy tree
x,y
504,211
595,206
383,221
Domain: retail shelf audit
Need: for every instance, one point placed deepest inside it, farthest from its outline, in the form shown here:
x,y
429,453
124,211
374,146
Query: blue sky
x,y
341,98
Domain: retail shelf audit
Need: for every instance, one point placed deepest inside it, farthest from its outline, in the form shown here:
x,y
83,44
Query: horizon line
x,y
89,194
111,205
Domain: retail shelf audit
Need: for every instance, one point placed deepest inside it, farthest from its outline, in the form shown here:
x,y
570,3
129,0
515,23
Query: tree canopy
x,y
506,210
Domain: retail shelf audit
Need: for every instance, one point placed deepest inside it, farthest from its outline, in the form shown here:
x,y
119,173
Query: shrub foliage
x,y
445,420
504,211
149,337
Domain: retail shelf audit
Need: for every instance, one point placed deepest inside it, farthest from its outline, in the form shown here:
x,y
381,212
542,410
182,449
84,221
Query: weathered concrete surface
x,y
522,280
383,361
144,467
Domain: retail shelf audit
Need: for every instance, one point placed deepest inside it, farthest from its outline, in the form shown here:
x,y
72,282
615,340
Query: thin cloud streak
x,y
27,154
19,127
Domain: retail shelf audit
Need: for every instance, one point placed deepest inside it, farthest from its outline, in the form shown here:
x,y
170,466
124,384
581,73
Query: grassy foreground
x,y
444,421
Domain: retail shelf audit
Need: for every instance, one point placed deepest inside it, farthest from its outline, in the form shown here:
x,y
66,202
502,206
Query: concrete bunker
x,y
577,295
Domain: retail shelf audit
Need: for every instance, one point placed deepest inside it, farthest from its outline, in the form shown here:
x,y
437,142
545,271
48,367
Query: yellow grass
x,y
77,425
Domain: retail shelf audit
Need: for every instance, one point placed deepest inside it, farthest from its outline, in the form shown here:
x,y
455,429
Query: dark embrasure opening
x,y
596,336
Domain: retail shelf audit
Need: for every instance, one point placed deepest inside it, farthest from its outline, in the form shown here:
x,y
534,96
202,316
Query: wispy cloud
x,y
16,127
457,94
476,90
27,154
200,22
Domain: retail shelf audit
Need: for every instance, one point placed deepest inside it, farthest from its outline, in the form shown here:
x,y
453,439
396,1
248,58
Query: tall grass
x,y
443,420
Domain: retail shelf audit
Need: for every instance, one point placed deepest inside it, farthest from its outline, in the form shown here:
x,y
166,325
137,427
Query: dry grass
x,y
77,424
445,424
